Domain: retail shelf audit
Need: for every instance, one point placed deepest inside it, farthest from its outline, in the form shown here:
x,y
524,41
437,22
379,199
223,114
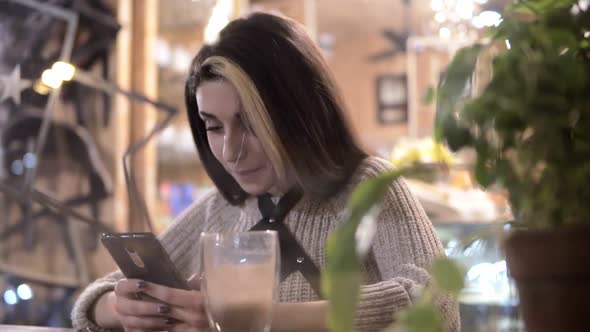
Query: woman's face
x,y
231,141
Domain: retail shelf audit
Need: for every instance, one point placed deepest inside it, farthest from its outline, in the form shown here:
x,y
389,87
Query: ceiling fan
x,y
397,39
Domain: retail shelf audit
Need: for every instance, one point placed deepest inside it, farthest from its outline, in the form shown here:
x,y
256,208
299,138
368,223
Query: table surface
x,y
21,328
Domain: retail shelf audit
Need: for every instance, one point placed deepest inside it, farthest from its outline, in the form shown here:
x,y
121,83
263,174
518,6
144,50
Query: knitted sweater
x,y
404,246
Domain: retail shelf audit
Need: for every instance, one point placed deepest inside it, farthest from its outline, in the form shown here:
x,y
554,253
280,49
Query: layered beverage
x,y
240,280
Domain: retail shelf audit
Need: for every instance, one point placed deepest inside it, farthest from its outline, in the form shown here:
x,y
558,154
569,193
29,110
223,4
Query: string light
x,y
460,19
59,72
51,79
444,33
65,70
487,19
41,88
10,297
24,291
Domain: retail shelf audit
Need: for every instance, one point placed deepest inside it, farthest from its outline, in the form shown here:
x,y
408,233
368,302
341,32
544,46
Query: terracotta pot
x,y
552,273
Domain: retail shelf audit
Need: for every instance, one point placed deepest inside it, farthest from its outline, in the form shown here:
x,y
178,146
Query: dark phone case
x,y
126,248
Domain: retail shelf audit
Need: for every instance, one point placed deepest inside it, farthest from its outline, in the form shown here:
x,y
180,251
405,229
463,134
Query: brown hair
x,y
289,98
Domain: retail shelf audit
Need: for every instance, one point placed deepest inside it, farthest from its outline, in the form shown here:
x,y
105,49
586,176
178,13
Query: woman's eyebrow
x,y
207,115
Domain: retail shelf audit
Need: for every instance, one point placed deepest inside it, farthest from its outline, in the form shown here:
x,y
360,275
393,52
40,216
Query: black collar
x,y
269,210
293,256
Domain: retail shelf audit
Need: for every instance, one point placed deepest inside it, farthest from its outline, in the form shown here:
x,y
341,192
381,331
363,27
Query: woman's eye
x,y
213,128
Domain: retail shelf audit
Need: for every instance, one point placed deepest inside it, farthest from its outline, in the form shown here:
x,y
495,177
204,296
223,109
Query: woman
x,y
270,130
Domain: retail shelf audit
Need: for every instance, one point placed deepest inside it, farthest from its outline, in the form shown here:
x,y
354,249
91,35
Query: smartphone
x,y
141,256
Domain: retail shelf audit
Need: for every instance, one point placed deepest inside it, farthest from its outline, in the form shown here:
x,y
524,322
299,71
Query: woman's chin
x,y
253,189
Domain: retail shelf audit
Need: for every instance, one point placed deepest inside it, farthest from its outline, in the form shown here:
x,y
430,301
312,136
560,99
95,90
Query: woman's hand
x,y
164,308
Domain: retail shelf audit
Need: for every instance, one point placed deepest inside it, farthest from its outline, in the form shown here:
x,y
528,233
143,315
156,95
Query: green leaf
x,y
456,137
344,291
423,317
452,91
429,96
459,73
546,6
483,174
448,275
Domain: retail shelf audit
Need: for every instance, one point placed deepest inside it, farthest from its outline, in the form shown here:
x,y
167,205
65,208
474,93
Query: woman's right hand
x,y
167,309
130,310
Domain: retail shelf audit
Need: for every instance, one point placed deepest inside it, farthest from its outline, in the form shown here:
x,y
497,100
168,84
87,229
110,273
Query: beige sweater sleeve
x,y
177,240
404,247
88,297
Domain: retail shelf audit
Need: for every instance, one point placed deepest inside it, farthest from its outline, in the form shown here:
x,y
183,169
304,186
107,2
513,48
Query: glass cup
x,y
240,279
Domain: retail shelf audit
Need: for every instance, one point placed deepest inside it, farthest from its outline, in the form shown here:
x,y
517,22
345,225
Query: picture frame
x,y
392,99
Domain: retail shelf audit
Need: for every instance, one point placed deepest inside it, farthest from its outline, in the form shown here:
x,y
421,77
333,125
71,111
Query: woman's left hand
x,y
186,306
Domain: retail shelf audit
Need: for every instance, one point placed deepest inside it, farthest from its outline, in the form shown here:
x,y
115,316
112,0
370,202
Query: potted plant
x,y
529,123
530,128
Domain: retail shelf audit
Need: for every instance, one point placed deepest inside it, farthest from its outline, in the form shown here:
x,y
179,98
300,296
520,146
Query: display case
x,y
489,301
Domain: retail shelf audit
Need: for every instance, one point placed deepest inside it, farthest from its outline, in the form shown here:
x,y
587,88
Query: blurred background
x,y
82,81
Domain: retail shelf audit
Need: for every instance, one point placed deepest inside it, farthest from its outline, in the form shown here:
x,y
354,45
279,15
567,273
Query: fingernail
x,y
141,284
170,321
164,309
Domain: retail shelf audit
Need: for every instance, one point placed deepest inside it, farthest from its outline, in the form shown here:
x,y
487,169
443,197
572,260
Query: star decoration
x,y
11,86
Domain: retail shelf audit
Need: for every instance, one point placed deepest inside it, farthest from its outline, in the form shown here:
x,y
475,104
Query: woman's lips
x,y
247,172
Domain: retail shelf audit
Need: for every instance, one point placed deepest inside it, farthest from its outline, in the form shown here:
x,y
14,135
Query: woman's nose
x,y
233,146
